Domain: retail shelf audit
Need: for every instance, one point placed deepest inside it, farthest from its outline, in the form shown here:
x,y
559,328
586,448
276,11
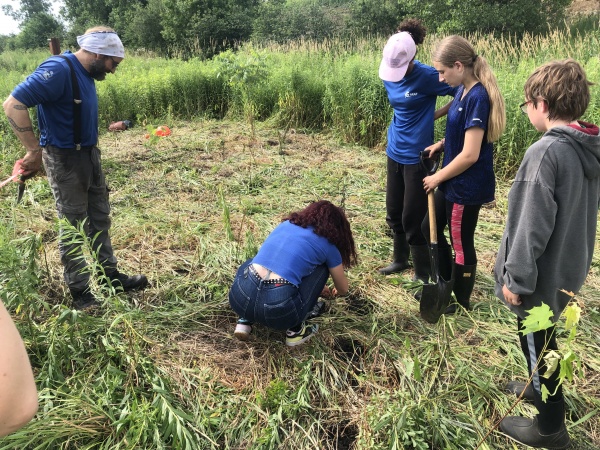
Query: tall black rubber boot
x,y
446,262
401,251
464,282
421,262
546,430
422,265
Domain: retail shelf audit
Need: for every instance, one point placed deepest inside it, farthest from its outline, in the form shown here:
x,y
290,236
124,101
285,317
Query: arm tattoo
x,y
18,128
20,107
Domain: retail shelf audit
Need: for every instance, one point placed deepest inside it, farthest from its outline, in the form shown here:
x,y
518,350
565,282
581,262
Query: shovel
x,y
436,295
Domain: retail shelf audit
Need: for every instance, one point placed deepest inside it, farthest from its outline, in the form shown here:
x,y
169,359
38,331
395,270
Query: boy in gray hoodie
x,y
550,231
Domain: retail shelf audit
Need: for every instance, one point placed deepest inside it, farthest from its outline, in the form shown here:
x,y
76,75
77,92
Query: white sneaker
x,y
242,331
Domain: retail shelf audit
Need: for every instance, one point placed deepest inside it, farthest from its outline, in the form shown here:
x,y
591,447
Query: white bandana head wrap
x,y
102,42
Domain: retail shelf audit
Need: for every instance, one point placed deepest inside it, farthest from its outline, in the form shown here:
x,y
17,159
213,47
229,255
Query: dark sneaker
x,y
127,283
293,338
242,331
526,431
516,387
316,311
83,300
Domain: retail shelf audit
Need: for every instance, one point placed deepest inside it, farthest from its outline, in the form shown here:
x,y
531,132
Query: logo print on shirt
x,y
476,119
410,94
47,74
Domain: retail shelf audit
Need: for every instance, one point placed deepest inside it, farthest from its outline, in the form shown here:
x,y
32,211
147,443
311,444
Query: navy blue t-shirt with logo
x,y
49,87
477,184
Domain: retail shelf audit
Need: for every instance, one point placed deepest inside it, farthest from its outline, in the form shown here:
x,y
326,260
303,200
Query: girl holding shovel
x,y
466,181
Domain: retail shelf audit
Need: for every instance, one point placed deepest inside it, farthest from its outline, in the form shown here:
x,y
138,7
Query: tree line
x,y
202,28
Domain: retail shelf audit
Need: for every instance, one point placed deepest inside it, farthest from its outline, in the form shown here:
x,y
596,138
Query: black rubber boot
x,y
446,262
518,387
401,251
546,430
421,262
83,299
464,282
127,283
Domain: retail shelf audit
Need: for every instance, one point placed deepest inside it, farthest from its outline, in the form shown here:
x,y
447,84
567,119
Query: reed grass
x,y
330,86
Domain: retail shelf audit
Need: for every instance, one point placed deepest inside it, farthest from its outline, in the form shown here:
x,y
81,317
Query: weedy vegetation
x,y
255,135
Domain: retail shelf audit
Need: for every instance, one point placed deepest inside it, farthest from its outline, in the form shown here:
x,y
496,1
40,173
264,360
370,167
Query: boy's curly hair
x,y
330,222
416,29
563,85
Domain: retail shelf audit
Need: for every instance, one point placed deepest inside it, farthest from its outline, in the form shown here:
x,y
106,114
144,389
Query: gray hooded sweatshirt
x,y
550,231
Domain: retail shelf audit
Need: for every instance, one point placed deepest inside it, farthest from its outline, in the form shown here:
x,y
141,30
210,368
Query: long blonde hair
x,y
456,48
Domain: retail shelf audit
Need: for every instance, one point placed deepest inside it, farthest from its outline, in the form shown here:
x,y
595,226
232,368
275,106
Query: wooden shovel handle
x,y
432,222
54,46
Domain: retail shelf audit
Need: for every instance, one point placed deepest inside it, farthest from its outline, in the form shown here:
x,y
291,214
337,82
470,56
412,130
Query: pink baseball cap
x,y
399,51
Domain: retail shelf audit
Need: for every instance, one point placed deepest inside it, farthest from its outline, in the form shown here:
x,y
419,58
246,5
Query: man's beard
x,y
98,69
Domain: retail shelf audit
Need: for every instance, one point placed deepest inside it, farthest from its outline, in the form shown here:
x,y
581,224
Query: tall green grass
x,y
331,85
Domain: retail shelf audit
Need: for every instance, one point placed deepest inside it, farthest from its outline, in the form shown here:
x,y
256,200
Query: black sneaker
x,y
293,338
127,283
83,300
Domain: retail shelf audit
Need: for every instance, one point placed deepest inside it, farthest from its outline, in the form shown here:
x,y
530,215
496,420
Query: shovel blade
x,y
435,298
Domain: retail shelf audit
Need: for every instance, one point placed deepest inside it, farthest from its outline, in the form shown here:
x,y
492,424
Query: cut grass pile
x,y
161,369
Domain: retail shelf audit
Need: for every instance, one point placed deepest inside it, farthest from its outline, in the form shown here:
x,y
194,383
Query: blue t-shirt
x,y
477,184
413,99
49,87
294,252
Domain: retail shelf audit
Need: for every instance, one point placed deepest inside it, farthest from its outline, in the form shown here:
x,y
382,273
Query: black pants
x,y
406,200
533,345
461,221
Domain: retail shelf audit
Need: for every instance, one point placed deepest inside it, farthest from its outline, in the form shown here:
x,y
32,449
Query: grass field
x,y
161,370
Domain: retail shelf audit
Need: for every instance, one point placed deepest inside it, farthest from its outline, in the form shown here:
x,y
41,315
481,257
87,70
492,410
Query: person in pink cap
x,y
412,88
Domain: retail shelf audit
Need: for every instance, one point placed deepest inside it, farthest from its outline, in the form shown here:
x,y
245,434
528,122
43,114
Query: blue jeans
x,y
277,306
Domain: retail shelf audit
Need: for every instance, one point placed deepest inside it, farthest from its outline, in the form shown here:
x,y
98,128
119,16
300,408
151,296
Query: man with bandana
x,y
73,168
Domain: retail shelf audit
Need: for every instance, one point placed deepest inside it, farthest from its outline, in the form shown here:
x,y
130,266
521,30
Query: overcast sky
x,y
9,26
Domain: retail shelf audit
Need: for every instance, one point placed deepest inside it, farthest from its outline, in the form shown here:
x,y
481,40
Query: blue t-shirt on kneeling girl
x,y
294,252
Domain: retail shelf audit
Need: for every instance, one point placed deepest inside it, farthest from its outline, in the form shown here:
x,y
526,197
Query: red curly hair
x,y
330,222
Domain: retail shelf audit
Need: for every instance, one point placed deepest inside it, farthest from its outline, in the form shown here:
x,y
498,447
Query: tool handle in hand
x,y
432,222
